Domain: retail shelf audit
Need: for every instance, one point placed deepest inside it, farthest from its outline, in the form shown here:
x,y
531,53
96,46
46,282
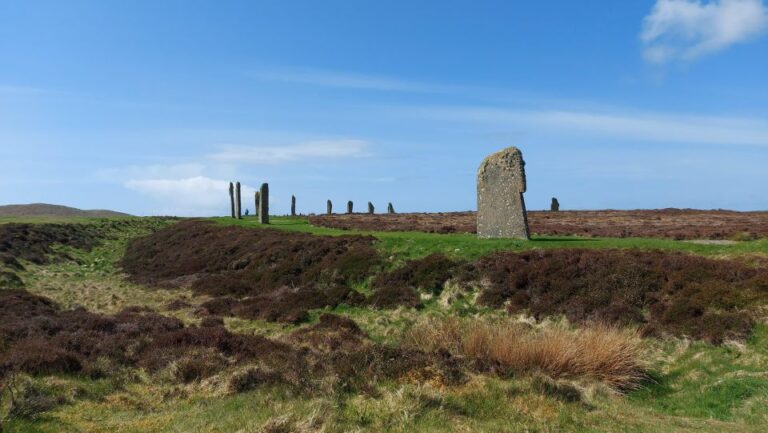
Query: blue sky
x,y
151,107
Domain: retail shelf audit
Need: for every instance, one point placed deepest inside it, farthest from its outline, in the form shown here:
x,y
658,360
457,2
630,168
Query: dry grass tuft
x,y
608,354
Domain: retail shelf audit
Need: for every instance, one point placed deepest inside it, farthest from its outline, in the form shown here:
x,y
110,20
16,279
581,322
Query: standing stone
x,y
555,206
264,204
293,205
256,206
390,208
500,204
370,208
232,199
349,206
238,202
329,207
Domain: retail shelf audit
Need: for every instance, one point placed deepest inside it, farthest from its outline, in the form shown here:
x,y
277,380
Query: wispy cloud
x,y
325,78
154,171
688,29
193,196
23,90
326,149
634,126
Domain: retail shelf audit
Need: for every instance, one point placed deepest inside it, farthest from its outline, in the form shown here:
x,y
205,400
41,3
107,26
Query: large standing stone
x,y
390,208
232,199
329,207
555,206
293,205
264,204
256,205
370,208
349,206
238,202
500,187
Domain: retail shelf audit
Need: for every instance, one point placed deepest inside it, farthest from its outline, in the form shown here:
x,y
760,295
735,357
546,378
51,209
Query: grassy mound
x,y
276,275
666,293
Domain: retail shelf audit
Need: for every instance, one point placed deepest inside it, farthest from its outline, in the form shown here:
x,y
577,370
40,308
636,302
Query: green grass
x,y
720,383
696,386
408,245
94,280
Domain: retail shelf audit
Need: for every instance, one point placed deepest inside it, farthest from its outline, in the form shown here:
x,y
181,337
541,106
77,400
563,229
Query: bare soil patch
x,y
659,223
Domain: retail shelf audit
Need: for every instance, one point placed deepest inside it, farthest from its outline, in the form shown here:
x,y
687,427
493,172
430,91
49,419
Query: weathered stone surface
x,y
329,207
370,208
256,205
349,206
238,202
555,206
293,205
500,204
232,199
390,208
264,204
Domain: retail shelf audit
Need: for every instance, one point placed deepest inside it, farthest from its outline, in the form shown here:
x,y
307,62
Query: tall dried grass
x,y
601,352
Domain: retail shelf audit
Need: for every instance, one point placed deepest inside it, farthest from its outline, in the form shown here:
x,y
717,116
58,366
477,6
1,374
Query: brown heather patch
x,y
402,285
34,242
280,276
654,223
37,337
665,293
271,275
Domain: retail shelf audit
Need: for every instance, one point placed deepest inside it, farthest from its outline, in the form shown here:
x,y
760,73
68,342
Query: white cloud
x,y
276,154
347,80
654,127
20,90
687,29
193,196
151,172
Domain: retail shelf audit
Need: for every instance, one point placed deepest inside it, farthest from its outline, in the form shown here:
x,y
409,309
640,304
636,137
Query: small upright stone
x,y
232,199
238,202
329,207
500,204
264,204
349,206
256,206
293,205
370,208
555,206
390,208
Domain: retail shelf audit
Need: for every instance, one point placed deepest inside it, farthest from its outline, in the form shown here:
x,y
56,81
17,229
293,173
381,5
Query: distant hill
x,y
54,210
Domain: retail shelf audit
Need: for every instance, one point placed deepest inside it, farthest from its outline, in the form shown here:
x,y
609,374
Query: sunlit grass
x,y
693,386
409,245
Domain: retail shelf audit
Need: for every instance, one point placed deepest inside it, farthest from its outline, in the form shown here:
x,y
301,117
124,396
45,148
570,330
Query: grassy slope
x,y
697,387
